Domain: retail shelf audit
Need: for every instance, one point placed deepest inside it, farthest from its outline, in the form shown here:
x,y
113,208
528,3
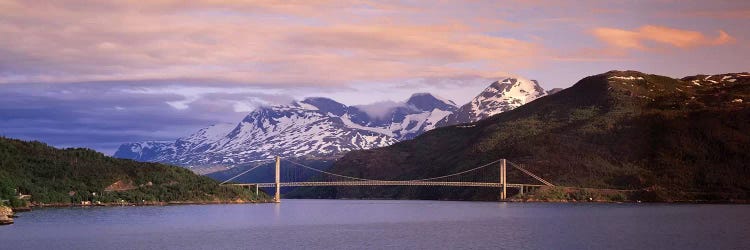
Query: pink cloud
x,y
315,42
637,39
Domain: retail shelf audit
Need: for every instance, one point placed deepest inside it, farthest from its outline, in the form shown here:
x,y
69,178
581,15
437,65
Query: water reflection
x,y
347,224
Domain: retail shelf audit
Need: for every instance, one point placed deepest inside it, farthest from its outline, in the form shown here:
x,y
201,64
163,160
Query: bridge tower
x,y
277,181
503,180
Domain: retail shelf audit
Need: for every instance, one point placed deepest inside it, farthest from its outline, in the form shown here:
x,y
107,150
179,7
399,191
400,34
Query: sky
x,y
77,73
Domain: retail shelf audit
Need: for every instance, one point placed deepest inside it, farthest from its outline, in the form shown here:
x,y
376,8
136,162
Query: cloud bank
x,y
99,73
315,42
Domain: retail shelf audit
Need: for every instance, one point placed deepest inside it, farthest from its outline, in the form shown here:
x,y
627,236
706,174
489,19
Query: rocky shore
x,y
6,215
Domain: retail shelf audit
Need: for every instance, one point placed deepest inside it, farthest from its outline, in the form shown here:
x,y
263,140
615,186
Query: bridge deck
x,y
387,183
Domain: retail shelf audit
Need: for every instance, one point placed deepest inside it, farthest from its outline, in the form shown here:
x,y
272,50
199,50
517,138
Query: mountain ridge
x,y
313,127
671,139
280,129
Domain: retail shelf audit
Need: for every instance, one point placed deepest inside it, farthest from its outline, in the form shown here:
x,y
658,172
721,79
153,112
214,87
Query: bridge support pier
x,y
277,181
503,194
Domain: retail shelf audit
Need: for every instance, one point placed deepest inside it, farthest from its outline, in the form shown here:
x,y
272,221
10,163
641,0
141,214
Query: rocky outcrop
x,y
120,185
6,215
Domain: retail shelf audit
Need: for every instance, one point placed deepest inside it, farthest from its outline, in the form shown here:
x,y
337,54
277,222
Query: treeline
x,y
53,175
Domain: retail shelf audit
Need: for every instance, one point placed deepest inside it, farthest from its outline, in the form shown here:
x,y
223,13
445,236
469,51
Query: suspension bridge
x,y
472,177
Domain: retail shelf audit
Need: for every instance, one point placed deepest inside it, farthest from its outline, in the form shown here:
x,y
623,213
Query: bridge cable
x,y
240,174
459,173
531,174
414,180
325,172
363,179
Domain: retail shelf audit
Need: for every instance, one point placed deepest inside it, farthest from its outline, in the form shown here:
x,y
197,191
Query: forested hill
x,y
676,139
55,176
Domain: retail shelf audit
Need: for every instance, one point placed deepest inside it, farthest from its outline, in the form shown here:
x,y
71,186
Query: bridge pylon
x,y
277,181
503,180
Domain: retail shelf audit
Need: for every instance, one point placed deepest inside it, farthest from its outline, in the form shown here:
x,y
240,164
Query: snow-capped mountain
x,y
145,151
418,114
500,96
204,137
323,128
314,127
167,151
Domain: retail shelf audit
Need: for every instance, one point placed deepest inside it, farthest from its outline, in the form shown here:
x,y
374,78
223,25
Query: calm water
x,y
344,224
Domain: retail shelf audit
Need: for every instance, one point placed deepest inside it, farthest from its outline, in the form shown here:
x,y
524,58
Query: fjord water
x,y
356,224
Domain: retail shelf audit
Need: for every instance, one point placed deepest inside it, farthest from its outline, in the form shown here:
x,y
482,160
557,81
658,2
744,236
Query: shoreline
x,y
691,202
129,204
177,203
157,203
6,218
725,202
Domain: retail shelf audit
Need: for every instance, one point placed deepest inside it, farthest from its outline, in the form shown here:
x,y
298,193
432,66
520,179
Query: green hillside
x,y
672,139
55,176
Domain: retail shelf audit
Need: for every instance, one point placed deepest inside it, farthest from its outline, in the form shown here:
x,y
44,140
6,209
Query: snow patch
x,y
349,123
435,116
630,78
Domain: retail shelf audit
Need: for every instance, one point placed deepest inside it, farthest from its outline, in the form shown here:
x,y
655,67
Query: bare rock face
x,y
5,215
121,185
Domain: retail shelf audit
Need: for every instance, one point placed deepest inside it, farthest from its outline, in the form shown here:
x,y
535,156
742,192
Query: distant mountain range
x,y
321,128
669,139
